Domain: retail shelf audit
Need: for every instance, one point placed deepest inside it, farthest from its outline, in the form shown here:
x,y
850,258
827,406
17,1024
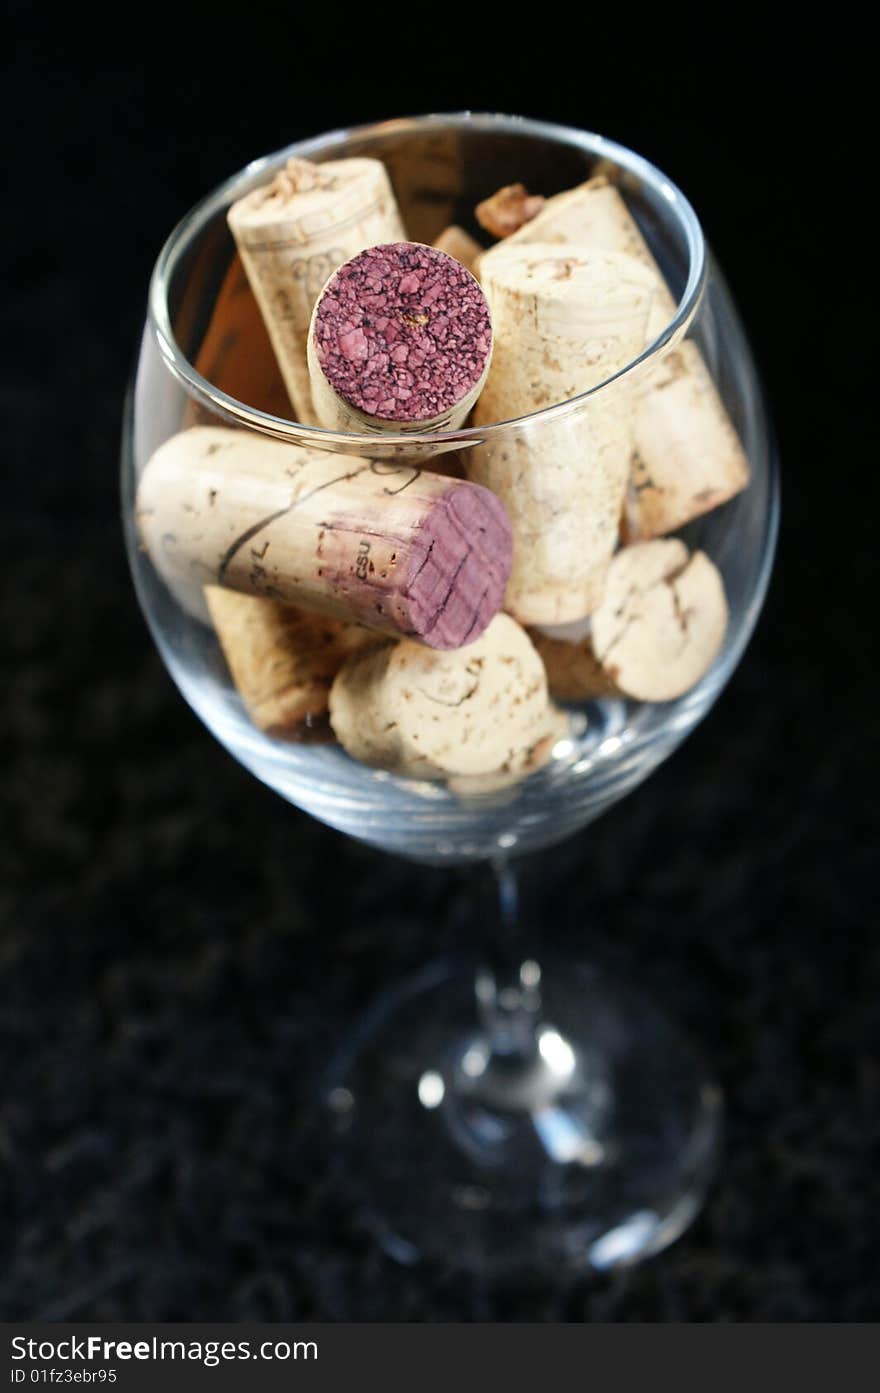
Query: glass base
x,y
588,1143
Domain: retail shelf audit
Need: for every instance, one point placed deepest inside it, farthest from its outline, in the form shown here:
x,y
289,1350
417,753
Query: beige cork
x,y
688,456
389,546
546,737
282,659
574,673
565,320
293,232
454,241
657,632
481,711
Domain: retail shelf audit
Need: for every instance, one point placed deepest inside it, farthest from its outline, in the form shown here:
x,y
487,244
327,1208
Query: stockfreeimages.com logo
x,y
95,1349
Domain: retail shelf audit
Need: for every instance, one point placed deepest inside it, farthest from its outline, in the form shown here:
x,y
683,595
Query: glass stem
x,y
508,978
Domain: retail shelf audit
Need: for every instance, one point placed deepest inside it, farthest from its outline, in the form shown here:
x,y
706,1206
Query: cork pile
x,y
430,619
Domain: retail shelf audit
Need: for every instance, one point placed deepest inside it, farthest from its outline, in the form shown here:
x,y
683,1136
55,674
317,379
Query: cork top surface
x,y
481,710
460,566
662,620
565,270
299,188
402,332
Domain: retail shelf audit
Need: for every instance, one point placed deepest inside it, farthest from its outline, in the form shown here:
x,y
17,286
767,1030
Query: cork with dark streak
x,y
402,551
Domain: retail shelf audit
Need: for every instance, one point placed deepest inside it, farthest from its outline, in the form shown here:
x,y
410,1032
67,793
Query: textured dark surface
x,y
178,949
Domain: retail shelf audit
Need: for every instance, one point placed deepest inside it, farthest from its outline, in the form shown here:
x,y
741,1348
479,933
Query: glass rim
x,y
252,174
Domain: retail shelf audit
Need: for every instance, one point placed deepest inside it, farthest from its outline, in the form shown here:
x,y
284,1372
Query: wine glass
x,y
528,1110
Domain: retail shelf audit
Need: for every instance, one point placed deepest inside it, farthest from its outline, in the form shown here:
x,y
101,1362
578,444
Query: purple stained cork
x,y
459,567
402,333
437,573
389,546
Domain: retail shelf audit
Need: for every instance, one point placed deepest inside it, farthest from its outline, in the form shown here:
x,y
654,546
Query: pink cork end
x,y
460,567
402,332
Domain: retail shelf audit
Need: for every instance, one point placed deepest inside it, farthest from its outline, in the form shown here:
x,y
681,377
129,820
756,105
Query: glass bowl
x,y
440,167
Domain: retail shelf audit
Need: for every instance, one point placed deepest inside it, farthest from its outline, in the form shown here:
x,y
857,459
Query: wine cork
x,y
565,320
688,456
427,175
293,232
656,633
402,551
454,241
282,659
595,215
508,210
482,710
553,728
236,355
401,341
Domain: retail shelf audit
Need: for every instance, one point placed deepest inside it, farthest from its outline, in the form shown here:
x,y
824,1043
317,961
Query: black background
x,y
179,950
